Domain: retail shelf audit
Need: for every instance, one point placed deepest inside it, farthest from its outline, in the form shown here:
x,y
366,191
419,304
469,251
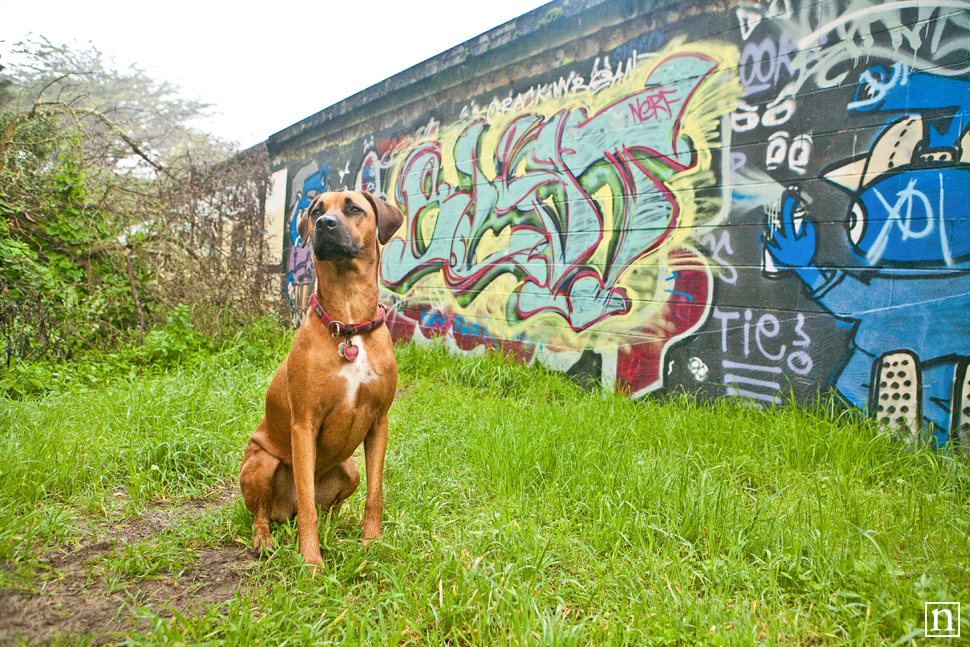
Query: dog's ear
x,y
389,217
303,227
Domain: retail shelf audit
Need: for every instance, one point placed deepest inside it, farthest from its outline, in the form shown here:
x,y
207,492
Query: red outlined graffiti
x,y
546,198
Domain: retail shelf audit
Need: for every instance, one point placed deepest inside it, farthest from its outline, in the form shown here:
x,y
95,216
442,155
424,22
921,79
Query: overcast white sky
x,y
264,65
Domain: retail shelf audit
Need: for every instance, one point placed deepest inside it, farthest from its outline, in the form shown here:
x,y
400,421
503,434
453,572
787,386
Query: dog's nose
x,y
328,221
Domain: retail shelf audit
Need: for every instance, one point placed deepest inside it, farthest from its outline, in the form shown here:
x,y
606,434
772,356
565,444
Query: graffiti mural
x,y
909,226
299,264
567,216
763,203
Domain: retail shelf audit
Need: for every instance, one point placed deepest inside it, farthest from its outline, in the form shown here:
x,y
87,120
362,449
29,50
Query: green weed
x,y
518,509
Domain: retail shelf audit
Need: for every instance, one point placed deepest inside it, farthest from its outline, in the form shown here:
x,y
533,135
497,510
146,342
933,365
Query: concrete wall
x,y
746,200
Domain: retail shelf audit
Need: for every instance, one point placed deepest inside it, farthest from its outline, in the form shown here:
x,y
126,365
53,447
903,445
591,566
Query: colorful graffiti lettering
x,y
543,197
567,210
756,203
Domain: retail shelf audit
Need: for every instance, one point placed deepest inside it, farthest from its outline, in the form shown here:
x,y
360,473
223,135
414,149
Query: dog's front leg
x,y
304,465
375,445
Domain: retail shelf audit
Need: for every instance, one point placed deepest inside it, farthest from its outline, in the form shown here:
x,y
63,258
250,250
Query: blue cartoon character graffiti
x,y
909,224
299,264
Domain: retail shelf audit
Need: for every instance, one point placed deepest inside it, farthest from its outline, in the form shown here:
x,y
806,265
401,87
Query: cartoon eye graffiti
x,y
856,224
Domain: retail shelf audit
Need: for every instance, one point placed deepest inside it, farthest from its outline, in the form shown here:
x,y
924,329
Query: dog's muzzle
x,y
332,240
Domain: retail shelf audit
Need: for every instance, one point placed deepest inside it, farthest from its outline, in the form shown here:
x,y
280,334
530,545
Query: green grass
x,y
519,509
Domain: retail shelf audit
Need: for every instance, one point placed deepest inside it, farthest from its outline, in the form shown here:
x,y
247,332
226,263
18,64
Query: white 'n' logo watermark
x,y
941,619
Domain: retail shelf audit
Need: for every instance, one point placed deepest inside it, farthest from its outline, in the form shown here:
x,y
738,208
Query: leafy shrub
x,y
109,226
178,343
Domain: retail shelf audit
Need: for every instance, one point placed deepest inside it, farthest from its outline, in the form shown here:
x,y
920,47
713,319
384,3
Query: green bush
x,y
177,344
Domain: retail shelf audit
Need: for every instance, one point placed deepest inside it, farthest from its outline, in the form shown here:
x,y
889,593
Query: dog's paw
x,y
315,564
262,545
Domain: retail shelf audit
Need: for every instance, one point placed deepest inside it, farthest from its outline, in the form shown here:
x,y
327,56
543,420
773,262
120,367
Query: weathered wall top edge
x,y
498,38
360,108
493,43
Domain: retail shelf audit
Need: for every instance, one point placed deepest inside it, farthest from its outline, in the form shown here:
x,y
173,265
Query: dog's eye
x,y
354,209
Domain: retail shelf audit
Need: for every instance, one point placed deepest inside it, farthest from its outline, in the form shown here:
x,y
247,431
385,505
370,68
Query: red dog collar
x,y
337,328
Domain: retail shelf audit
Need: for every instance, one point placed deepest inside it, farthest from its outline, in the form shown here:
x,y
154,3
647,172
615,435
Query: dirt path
x,y
73,599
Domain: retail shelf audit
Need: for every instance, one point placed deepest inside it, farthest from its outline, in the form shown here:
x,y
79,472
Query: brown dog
x,y
334,389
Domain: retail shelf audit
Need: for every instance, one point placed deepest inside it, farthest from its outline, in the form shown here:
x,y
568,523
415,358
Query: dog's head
x,y
343,223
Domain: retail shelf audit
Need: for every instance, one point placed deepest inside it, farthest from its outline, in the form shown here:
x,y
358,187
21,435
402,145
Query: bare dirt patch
x,y
75,599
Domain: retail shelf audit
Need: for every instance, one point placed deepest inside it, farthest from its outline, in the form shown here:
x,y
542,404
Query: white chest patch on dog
x,y
358,371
